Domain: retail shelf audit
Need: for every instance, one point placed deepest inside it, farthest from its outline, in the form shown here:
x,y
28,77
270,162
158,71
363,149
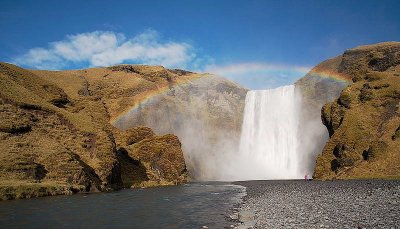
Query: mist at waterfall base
x,y
279,139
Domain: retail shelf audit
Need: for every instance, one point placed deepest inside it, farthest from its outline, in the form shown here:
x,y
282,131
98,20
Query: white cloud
x,y
258,75
104,48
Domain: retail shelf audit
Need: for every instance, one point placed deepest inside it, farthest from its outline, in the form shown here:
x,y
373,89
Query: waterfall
x,y
269,140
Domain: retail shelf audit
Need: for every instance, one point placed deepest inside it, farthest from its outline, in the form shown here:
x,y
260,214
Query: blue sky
x,y
259,44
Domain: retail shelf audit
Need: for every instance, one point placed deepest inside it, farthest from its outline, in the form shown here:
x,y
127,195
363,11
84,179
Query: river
x,y
193,205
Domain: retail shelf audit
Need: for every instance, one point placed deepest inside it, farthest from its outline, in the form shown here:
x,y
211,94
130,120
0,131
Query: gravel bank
x,y
321,204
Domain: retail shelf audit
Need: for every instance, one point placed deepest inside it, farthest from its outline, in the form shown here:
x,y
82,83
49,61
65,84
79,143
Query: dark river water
x,y
192,205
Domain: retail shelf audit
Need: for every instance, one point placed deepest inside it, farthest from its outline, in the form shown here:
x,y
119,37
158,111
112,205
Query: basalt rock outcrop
x,y
364,121
150,160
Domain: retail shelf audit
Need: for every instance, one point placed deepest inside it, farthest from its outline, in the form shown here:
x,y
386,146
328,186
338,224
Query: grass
x,y
57,140
365,119
18,189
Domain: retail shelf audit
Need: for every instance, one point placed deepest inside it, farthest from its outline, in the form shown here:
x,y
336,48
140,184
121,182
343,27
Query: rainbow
x,y
147,95
330,74
163,88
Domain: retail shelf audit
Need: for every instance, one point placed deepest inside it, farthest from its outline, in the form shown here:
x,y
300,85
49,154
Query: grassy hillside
x,y
56,136
364,121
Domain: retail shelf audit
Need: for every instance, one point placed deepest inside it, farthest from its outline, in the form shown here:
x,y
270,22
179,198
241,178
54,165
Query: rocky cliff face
x,y
55,135
364,121
150,160
316,88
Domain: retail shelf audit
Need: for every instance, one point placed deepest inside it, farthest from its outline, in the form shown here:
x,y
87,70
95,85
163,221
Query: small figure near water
x,y
308,177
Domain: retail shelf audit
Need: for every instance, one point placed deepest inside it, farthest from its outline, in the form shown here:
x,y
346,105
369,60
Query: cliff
x,y
364,121
321,85
56,136
203,110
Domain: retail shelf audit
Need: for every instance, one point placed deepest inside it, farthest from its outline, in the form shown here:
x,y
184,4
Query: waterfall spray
x,y
269,141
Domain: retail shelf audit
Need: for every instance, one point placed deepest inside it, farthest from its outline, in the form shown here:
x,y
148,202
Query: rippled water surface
x,y
188,206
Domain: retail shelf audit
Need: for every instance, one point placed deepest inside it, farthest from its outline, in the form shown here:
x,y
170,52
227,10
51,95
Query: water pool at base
x,y
192,205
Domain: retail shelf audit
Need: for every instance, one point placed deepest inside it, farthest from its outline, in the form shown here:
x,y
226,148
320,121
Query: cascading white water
x,y
269,141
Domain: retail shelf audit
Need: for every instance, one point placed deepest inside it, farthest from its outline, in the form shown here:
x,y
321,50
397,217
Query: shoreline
x,y
320,204
28,190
